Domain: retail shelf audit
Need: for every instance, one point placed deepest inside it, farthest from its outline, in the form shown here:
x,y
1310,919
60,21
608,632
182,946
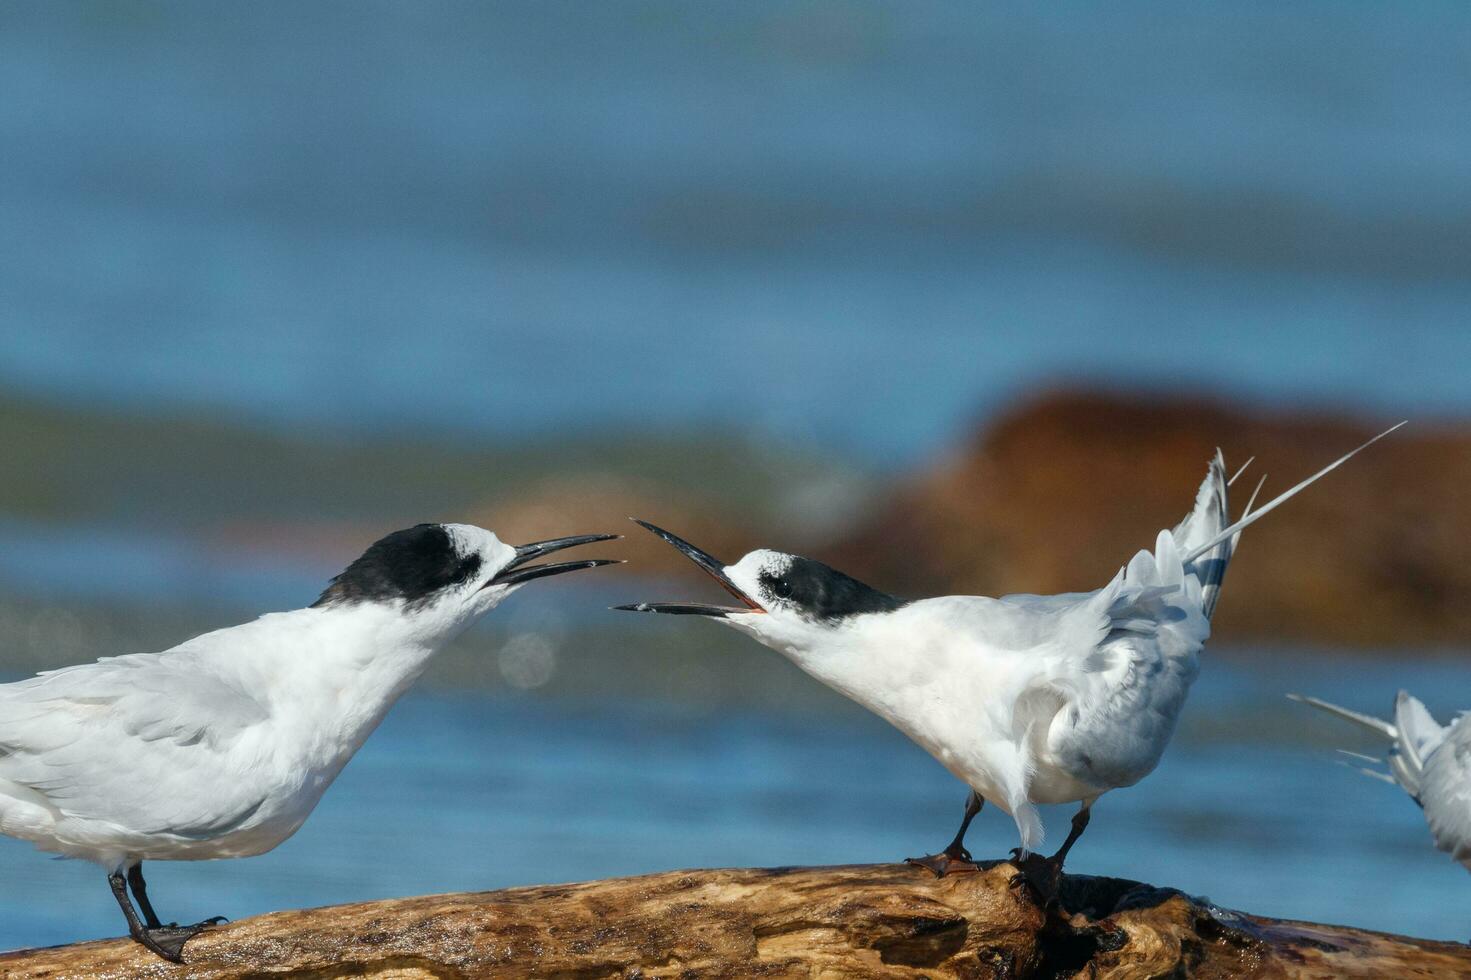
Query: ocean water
x,y
468,792
845,229
835,225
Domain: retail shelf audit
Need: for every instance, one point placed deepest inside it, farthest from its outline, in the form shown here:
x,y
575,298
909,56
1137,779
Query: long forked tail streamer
x,y
1282,498
1240,470
1368,721
1251,502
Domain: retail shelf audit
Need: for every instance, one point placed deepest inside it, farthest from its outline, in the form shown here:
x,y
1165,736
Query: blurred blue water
x,y
84,563
845,226
464,793
816,223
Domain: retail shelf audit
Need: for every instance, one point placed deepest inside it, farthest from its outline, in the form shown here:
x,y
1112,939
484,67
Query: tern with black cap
x,y
222,746
1026,699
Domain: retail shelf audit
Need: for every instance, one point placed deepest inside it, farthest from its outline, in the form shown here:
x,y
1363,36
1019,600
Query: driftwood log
x,y
863,921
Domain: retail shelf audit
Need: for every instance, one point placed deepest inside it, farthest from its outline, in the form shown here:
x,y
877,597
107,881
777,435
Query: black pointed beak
x,y
712,566
518,571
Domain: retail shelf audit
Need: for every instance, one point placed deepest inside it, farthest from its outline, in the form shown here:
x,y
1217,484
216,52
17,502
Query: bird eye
x,y
782,589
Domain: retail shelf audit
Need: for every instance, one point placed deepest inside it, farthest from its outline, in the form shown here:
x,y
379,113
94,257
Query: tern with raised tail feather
x,y
1026,699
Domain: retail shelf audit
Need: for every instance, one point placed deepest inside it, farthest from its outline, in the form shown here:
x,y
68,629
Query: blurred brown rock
x,y
854,922
1064,488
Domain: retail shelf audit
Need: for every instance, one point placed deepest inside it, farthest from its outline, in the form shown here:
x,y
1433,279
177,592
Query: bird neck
x,y
836,654
382,650
348,663
870,658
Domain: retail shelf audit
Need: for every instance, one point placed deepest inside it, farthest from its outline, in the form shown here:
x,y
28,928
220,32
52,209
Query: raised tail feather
x,y
1195,552
1208,539
1211,513
1233,531
1412,737
1203,525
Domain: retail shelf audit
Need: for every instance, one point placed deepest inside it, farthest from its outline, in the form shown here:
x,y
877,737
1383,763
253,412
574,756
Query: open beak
x,y
518,571
712,567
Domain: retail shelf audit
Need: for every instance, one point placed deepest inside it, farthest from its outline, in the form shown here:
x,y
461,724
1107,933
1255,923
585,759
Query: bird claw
x,y
946,862
168,941
1041,876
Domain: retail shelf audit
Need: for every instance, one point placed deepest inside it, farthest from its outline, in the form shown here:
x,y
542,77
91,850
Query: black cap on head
x,y
412,565
782,581
823,592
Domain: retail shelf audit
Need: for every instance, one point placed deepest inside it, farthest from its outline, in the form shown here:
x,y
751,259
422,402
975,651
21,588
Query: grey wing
x,y
132,741
1123,663
1445,792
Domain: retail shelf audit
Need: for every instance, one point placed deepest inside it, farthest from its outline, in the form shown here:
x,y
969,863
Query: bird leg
x,y
140,895
954,857
165,941
1043,876
1080,824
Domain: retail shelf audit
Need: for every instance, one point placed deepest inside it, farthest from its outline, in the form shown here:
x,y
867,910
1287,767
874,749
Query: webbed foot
x,y
1040,876
952,860
168,941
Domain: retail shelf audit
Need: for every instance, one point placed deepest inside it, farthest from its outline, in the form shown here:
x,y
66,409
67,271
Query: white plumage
x,y
221,746
1026,699
1430,762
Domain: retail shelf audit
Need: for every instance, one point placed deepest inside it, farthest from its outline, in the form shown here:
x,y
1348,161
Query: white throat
x,y
336,669
840,655
879,660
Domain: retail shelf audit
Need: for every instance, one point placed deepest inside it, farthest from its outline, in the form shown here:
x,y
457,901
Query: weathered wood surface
x,y
862,921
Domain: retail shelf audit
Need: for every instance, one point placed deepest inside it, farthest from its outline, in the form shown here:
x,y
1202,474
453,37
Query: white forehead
x,y
471,540
757,563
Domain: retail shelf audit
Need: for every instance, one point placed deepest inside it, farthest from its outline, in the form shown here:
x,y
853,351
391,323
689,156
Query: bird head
x,y
785,601
449,573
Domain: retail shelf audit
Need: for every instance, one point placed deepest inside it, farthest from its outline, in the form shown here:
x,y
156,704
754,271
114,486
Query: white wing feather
x,y
1446,791
119,741
1429,761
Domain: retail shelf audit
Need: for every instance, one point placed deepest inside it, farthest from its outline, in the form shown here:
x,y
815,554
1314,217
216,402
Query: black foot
x,y
168,941
1039,875
948,861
